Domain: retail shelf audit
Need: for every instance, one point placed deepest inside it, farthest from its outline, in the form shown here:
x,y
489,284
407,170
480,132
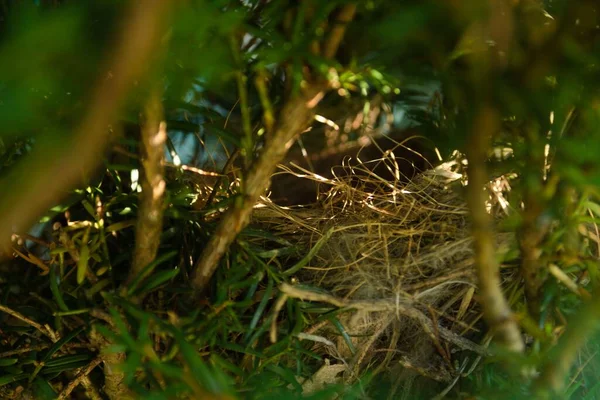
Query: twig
x,y
34,239
496,310
32,259
151,208
83,373
337,32
219,180
103,316
360,355
90,389
263,93
44,330
453,383
43,347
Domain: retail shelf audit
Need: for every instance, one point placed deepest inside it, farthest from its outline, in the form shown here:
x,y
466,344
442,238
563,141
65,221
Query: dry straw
x,y
397,255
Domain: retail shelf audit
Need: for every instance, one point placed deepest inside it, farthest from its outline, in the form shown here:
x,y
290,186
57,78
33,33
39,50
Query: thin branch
x,y
90,390
242,88
217,185
55,172
115,387
263,93
32,259
44,330
83,373
496,310
151,208
295,118
103,316
40,347
336,35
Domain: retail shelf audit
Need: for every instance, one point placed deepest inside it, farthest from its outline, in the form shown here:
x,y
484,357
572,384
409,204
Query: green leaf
x,y
64,340
313,251
211,380
330,392
261,307
593,392
156,280
56,292
132,363
88,207
43,390
225,364
64,367
241,349
284,251
98,286
66,360
594,207
82,263
338,325
5,362
173,371
286,374
251,281
6,379
148,270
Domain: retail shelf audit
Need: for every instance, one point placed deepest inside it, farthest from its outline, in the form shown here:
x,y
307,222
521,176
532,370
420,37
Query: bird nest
x,y
397,256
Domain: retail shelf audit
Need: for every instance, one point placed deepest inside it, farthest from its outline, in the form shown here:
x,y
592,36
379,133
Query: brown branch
x,y
67,346
114,378
151,207
55,172
260,82
90,390
32,259
44,330
219,181
496,310
83,373
336,35
295,117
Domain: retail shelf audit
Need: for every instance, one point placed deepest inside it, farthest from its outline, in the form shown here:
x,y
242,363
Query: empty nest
x,y
397,255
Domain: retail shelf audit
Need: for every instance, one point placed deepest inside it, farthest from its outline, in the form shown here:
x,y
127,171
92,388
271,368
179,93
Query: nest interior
x,y
396,254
